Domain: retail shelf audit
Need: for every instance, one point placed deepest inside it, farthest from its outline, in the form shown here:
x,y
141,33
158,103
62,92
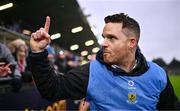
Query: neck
x,y
128,63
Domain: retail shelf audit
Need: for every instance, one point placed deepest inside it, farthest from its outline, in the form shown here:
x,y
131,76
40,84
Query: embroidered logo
x,y
130,83
132,98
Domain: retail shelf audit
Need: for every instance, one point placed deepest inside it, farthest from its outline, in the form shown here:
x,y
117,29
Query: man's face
x,y
115,45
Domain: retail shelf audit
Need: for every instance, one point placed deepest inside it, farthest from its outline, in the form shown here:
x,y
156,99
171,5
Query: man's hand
x,y
40,39
4,70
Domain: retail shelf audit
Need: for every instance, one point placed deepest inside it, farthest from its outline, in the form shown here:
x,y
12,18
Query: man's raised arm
x,y
40,39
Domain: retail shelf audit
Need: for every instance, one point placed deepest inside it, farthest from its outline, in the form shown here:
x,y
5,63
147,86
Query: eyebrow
x,y
110,35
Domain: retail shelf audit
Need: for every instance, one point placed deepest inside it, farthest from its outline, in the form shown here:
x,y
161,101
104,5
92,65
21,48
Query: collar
x,y
118,67
139,68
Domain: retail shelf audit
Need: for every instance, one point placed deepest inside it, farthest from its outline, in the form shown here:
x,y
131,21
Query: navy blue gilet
x,y
110,91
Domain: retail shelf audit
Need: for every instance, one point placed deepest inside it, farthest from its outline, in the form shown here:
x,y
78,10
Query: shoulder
x,y
96,63
3,46
155,66
158,73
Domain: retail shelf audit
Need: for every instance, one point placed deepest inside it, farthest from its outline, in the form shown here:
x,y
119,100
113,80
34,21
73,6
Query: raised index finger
x,y
47,24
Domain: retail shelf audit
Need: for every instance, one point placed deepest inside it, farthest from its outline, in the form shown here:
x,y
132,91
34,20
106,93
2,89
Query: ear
x,y
132,42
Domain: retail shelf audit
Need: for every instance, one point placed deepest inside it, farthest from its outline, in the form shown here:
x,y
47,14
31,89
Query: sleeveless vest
x,y
110,91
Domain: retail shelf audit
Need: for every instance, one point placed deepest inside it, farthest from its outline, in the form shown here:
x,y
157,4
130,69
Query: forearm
x,y
42,73
52,85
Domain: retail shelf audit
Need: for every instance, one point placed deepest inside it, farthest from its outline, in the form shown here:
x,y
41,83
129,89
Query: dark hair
x,y
130,26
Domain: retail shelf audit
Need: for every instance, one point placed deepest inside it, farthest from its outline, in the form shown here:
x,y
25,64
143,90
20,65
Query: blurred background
x,y
76,28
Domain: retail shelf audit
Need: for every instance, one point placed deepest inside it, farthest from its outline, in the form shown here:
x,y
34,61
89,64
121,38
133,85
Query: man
x,y
9,68
119,79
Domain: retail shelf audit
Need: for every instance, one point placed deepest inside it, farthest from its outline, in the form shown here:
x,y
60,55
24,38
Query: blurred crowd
x,y
15,69
62,60
13,57
14,25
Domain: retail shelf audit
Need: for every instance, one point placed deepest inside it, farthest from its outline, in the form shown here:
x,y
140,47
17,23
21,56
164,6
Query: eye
x,y
111,38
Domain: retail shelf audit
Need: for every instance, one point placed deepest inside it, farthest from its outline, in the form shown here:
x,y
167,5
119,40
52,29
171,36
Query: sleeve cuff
x,y
34,56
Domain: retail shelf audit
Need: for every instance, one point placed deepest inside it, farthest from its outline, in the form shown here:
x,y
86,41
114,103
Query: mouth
x,y
105,53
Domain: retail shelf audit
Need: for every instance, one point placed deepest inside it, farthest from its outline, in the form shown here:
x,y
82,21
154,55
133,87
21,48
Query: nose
x,y
104,43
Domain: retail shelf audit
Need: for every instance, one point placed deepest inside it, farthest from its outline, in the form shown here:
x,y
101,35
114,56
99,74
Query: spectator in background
x,y
52,56
20,54
15,43
11,69
51,53
61,61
